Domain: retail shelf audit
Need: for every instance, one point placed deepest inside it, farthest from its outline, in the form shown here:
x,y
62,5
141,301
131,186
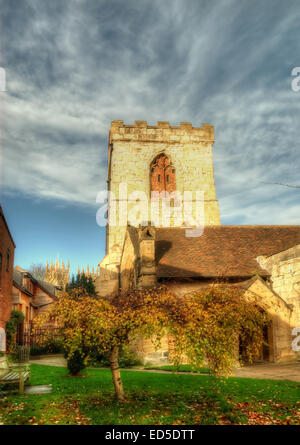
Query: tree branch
x,y
285,185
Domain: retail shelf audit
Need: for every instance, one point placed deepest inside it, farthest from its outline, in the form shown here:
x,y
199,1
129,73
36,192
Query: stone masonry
x,y
132,152
284,268
264,261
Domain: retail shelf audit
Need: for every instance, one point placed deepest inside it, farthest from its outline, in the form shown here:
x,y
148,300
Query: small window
x,y
167,178
158,178
173,170
7,260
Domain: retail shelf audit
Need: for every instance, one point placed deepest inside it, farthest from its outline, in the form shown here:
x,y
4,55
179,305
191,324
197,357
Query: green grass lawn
x,y
180,368
152,399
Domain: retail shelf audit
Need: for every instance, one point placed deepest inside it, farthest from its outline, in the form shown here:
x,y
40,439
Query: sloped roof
x,y
221,251
18,281
49,288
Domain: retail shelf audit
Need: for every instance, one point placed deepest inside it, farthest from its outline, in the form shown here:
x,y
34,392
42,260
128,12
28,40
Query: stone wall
x,y
281,318
280,338
129,267
108,282
151,353
284,268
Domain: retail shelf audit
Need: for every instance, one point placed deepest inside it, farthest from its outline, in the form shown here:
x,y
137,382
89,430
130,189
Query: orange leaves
x,y
267,414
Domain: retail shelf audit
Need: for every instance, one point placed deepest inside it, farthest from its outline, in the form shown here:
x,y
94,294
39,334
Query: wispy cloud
x,y
72,67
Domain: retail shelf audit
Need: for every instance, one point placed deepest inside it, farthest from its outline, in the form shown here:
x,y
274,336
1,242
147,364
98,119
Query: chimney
x,y
147,273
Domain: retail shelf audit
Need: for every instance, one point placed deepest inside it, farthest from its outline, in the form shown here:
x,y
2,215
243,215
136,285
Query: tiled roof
x,y
48,287
18,282
221,251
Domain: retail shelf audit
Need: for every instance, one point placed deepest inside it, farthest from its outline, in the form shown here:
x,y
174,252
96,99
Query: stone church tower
x,y
262,261
155,159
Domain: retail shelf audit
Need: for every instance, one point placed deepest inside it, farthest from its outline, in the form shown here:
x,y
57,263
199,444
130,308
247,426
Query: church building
x,y
191,250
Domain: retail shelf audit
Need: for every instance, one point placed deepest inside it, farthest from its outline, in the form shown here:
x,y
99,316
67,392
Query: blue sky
x,y
73,66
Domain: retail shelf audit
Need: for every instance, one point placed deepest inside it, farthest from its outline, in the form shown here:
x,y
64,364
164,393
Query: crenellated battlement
x,y
162,132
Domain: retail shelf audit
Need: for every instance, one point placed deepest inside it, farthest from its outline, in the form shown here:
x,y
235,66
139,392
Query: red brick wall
x,y
21,301
6,276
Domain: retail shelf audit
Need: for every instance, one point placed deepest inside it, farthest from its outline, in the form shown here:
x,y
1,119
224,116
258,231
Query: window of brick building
x,y
162,174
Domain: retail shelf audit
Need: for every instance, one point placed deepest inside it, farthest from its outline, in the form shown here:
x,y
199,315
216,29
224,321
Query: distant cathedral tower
x,y
89,272
57,274
157,159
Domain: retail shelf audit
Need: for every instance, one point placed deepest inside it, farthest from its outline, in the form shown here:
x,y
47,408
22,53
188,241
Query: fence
x,y
27,335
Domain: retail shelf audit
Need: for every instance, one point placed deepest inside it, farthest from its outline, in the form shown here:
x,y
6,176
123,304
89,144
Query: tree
x,y
38,271
85,323
82,282
205,325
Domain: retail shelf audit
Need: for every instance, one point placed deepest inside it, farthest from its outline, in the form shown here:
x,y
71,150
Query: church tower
x,y
159,159
58,274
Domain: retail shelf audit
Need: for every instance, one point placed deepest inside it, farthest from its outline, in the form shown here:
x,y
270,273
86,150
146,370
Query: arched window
x,y
162,174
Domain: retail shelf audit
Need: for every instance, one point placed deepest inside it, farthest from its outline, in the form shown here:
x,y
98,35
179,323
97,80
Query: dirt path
x,y
273,371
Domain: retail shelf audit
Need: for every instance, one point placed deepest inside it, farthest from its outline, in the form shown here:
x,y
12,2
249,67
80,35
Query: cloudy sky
x,y
73,66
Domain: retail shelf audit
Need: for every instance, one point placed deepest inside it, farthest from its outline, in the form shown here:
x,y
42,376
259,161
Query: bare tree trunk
x,y
115,370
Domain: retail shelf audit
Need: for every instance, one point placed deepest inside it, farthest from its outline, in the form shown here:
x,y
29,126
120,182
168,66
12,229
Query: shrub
x,y
127,358
50,346
37,350
75,363
16,319
98,360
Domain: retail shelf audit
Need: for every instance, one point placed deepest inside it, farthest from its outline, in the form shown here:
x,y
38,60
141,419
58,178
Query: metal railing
x,y
27,335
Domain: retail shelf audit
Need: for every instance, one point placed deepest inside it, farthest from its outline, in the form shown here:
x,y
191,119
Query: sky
x,y
74,66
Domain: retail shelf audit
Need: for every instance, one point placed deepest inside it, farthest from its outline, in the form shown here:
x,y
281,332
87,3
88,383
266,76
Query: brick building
x,y
7,251
30,296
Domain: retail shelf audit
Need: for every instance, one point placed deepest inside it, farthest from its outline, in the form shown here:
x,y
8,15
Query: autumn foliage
x,y
205,325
